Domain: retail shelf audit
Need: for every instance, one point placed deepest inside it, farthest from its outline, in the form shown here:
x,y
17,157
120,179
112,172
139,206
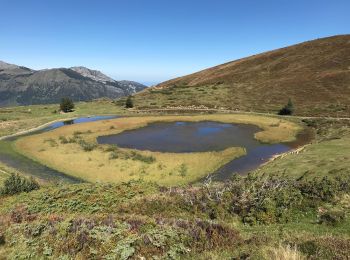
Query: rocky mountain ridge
x,y
23,86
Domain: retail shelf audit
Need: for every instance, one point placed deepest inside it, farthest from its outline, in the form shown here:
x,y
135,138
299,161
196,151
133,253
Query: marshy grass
x,y
51,141
127,164
87,147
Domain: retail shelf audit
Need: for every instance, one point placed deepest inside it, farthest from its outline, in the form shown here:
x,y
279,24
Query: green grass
x,y
328,155
4,173
328,158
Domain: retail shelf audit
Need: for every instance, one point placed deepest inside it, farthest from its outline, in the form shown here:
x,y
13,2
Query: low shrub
x,y
268,200
142,158
63,139
324,189
87,147
111,148
113,155
309,248
51,141
331,217
75,139
325,247
263,202
183,170
16,184
77,133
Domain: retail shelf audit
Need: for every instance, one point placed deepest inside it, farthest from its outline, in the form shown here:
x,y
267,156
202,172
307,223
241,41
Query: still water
x,y
186,137
176,137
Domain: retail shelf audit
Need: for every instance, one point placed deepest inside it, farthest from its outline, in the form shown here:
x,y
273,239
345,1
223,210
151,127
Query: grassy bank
x,y
4,173
73,150
5,170
328,154
15,119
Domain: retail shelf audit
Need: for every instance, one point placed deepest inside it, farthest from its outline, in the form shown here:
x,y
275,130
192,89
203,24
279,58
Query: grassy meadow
x,y
294,207
73,150
21,118
211,96
327,156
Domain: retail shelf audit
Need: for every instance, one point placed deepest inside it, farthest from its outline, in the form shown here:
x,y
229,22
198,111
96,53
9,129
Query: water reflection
x,y
183,137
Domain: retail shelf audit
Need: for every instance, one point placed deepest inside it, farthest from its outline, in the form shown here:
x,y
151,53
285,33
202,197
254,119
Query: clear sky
x,y
154,40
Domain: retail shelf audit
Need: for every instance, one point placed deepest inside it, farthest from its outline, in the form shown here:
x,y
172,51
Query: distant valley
x,y
23,86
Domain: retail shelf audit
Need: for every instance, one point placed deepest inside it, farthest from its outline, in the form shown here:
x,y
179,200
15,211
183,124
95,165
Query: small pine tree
x,y
66,105
287,109
129,103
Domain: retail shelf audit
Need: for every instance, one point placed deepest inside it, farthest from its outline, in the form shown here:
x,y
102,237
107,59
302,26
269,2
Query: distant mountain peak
x,y
92,74
8,68
21,85
5,65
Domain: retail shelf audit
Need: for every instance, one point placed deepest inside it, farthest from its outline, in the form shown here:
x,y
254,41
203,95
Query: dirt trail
x,y
35,128
4,172
234,112
175,110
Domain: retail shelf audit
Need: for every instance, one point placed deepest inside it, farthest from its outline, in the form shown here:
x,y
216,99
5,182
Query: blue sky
x,y
154,40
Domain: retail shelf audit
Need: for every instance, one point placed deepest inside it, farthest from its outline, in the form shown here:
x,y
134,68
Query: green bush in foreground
x,y
142,220
16,184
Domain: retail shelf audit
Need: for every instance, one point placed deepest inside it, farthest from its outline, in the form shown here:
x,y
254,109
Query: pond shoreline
x,y
271,128
17,160
28,131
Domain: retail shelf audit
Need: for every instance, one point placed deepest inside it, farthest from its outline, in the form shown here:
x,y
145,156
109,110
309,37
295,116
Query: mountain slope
x,y
92,74
314,74
20,85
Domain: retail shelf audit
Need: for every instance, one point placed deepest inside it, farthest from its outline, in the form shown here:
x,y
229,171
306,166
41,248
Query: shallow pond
x,y
183,137
178,137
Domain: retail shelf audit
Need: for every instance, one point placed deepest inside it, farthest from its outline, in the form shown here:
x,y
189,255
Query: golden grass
x,y
168,168
274,130
285,253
